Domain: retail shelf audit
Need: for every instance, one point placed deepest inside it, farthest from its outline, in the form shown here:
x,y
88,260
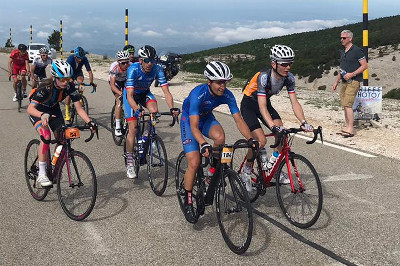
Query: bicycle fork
x,y
71,183
290,163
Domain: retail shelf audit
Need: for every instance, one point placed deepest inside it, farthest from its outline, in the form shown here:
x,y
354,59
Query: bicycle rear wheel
x,y
234,212
117,140
237,165
75,117
303,206
157,165
31,166
77,191
198,187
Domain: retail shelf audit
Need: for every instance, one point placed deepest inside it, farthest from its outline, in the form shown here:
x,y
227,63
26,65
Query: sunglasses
x,y
343,38
148,60
285,64
124,63
63,79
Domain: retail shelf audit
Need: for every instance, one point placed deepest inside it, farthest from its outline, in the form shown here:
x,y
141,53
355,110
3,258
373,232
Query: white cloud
x,y
265,29
148,33
76,25
170,31
42,34
79,35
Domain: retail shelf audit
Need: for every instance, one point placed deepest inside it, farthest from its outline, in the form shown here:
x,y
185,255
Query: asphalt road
x,y
359,223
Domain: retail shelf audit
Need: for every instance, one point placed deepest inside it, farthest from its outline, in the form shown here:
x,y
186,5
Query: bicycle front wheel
x,y
234,212
301,206
77,186
31,166
19,95
157,165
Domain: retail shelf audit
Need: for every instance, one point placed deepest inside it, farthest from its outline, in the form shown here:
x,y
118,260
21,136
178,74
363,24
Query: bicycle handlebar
x,y
241,143
64,127
159,114
281,135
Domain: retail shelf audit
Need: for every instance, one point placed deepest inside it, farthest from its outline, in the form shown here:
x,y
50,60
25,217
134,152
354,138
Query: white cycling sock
x,y
42,168
117,123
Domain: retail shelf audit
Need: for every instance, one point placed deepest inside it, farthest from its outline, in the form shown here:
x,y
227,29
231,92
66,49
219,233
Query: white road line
x,y
382,209
346,177
98,245
339,147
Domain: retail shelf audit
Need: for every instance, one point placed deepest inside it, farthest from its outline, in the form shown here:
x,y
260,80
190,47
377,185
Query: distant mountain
x,y
315,51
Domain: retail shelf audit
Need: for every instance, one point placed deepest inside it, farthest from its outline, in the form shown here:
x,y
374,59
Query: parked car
x,y
33,51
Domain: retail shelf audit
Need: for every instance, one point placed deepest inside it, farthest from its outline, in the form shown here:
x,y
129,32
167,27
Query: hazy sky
x,y
180,25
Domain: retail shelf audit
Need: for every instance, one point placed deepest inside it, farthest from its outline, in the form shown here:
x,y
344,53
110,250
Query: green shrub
x,y
394,58
373,75
335,73
377,79
322,88
105,57
393,94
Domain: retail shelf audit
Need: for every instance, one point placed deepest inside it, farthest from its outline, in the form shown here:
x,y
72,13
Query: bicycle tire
x,y
234,212
75,116
301,208
117,140
19,95
197,191
157,165
31,166
237,165
77,198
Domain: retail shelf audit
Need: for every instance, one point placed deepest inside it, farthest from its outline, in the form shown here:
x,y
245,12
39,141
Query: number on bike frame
x,y
72,133
227,154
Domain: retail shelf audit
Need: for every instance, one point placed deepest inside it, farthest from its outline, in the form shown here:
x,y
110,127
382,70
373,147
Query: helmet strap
x,y
276,68
209,87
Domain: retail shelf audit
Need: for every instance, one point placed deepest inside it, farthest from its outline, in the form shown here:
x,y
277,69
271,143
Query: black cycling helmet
x,y
22,47
129,48
147,51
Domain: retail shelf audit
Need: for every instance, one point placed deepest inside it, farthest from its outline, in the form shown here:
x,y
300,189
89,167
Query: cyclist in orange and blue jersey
x,y
198,120
19,64
77,61
140,75
44,110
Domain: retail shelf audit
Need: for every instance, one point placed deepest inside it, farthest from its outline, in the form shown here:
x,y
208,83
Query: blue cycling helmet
x,y
79,52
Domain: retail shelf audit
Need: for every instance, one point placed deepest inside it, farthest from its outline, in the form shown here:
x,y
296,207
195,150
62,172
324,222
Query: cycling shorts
x,y
54,122
18,70
251,113
140,99
188,141
77,73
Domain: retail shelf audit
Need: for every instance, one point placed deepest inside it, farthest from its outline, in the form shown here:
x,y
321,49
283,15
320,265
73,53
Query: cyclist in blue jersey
x,y
77,61
140,75
198,121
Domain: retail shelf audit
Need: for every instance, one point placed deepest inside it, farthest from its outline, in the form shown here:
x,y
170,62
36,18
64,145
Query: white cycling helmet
x,y
44,50
216,70
61,69
122,55
282,54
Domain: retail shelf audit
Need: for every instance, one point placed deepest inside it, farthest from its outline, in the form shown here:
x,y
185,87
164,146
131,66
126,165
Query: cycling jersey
x,y
202,102
18,59
51,96
264,84
40,66
78,68
117,72
140,81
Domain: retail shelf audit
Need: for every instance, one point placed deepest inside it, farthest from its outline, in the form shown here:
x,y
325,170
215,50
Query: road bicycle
x,y
73,173
85,104
301,200
152,152
118,139
233,207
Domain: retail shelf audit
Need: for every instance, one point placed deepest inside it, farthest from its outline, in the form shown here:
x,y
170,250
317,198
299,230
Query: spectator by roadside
x,y
352,65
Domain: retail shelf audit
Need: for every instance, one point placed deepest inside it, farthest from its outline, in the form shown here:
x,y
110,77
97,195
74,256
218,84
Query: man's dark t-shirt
x,y
350,60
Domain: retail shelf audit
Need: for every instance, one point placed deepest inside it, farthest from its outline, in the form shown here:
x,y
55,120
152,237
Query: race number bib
x,y
227,153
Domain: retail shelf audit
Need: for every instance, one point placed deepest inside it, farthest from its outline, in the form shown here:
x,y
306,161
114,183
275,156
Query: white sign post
x,y
368,103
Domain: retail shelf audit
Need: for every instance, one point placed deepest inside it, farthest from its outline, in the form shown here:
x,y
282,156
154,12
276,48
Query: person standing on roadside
x,y
352,65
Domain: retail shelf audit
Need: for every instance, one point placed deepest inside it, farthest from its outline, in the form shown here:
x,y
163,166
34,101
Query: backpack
x,y
268,87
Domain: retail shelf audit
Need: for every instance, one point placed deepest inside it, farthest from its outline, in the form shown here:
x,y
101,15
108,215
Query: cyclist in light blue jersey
x,y
140,75
198,120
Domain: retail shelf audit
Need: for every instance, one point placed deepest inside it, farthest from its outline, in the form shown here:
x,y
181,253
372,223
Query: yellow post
x,y
61,41
365,39
126,27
